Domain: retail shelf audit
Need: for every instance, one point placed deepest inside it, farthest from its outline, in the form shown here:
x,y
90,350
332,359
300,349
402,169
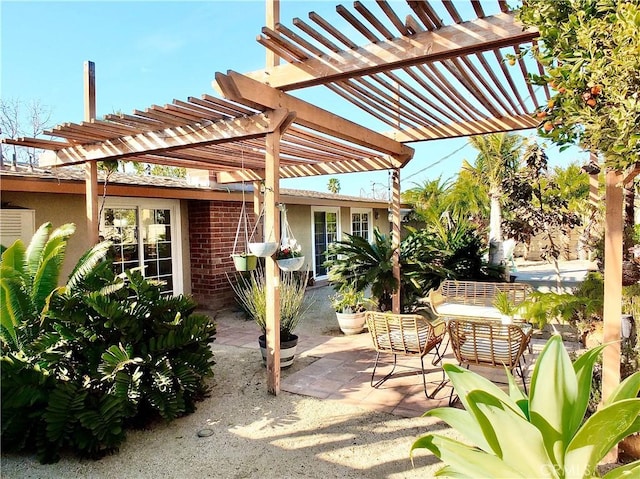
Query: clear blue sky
x,y
152,52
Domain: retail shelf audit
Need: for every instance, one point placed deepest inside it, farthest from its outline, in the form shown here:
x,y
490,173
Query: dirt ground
x,y
241,431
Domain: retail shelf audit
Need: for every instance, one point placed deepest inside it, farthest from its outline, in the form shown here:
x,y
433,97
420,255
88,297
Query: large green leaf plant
x,y
543,435
82,362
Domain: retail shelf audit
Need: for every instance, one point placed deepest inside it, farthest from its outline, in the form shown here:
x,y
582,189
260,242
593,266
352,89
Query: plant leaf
x,y
554,389
583,367
36,245
599,434
461,421
627,389
511,434
466,460
624,472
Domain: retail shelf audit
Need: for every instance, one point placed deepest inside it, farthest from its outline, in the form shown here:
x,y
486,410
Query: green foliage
x,y
449,247
535,203
548,424
590,53
251,294
348,300
87,360
355,261
504,305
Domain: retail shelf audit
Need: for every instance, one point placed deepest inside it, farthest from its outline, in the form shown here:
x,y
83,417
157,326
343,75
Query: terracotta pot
x,y
630,446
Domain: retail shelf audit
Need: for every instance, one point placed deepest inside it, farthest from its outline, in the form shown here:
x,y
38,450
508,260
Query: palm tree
x,y
334,185
469,197
430,196
498,155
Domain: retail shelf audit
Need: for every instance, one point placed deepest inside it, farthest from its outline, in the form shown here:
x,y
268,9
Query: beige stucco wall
x,y
299,217
57,209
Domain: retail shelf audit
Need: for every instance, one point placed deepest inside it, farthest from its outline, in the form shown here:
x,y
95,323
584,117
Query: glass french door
x,y
325,232
143,237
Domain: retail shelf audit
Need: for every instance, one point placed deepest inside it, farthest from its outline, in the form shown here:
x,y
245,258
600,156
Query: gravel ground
x,y
251,434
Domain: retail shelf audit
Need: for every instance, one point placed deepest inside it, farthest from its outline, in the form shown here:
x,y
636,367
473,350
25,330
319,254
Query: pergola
x,y
424,69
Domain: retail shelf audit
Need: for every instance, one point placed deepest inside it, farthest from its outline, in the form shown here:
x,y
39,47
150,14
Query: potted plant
x,y
251,295
505,307
289,257
350,306
244,261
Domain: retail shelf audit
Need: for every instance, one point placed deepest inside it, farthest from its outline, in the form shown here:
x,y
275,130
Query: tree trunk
x,y
496,252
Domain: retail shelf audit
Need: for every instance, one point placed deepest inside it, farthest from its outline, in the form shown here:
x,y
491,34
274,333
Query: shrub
x,y
82,362
540,435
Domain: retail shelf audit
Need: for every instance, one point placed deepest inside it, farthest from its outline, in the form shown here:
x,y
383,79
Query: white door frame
x,y
323,209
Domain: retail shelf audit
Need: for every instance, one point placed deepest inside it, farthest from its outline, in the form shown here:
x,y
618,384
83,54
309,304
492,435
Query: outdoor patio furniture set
x,y
464,310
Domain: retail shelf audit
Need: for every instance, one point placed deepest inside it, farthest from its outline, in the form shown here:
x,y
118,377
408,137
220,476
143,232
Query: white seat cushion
x,y
452,309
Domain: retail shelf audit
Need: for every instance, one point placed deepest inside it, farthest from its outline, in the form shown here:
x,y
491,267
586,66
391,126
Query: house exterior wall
x,y
212,230
58,209
299,217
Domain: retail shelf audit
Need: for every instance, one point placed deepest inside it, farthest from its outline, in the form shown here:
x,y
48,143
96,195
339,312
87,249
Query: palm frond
x,y
87,263
36,245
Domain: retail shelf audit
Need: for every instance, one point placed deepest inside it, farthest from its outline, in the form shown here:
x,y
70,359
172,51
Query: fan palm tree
x,y
498,155
431,195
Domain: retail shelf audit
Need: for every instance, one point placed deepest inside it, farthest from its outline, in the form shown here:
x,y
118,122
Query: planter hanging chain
x,y
243,211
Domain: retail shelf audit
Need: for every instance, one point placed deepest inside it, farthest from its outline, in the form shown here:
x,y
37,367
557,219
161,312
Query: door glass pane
x,y
120,227
320,241
156,238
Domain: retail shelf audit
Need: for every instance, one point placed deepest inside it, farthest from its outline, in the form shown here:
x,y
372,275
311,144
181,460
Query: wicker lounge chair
x,y
489,343
405,335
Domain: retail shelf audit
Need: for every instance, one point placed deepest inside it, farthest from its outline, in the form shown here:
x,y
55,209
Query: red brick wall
x,y
212,231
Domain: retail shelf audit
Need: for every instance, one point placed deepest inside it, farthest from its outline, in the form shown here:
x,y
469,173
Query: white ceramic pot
x,y
351,323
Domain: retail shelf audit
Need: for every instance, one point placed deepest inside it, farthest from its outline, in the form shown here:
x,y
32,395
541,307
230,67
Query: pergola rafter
x,y
425,77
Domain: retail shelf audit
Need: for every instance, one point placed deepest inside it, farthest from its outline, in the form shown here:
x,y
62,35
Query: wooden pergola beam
x,y
310,169
242,89
169,139
482,34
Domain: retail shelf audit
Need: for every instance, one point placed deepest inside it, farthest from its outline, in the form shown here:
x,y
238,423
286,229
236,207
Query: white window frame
x,y
176,226
323,209
368,211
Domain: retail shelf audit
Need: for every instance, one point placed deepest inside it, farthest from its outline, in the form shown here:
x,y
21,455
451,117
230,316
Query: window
x,y
361,223
147,237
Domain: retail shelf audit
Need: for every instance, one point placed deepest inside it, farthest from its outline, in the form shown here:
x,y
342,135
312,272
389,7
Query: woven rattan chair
x,y
405,335
489,343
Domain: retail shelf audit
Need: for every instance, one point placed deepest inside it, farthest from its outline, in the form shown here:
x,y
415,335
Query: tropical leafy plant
x,y
82,362
362,264
348,300
504,305
448,247
542,435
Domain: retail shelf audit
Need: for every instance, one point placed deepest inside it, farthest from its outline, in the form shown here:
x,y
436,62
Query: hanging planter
x,y
244,261
265,248
290,264
288,255
262,250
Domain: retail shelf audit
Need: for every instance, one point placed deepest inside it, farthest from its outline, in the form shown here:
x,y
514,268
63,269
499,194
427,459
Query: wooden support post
x,y
272,17
91,167
272,273
612,288
395,235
